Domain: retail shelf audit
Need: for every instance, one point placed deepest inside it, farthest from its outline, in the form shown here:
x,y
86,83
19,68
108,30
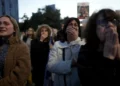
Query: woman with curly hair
x,y
39,53
100,56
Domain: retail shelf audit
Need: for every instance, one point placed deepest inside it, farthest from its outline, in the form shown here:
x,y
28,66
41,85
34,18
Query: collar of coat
x,y
14,40
11,40
78,41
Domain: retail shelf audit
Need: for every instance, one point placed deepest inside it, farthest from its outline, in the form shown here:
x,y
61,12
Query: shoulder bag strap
x,y
65,84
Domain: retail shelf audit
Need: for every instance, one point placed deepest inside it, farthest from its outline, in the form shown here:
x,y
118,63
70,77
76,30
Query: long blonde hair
x,y
15,25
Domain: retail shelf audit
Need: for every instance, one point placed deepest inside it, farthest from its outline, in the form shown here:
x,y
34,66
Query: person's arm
x,y
76,64
19,74
57,65
86,57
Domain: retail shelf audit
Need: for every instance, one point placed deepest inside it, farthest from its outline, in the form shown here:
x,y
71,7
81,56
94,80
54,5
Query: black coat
x,y
97,70
39,57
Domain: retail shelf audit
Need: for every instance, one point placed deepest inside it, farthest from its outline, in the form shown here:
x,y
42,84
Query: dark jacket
x,y
39,57
97,70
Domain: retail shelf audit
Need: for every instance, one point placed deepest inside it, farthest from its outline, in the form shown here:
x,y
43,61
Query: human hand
x,y
74,63
42,37
72,32
111,43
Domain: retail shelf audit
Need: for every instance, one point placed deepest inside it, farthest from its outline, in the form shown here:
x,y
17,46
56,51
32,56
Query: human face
x,y
73,24
30,31
44,32
103,26
72,30
6,27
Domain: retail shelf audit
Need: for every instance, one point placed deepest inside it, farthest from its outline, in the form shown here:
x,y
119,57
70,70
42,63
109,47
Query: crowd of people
x,y
47,57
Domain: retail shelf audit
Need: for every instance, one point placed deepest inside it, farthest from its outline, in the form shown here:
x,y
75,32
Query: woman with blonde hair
x,y
14,54
39,53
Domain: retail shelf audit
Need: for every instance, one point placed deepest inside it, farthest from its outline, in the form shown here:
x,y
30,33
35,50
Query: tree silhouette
x,y
46,15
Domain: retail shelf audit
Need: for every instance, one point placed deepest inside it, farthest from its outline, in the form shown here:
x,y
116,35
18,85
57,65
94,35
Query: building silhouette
x,y
9,7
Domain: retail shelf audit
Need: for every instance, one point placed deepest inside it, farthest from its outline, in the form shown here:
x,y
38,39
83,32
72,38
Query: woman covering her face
x,y
14,54
63,56
100,57
39,53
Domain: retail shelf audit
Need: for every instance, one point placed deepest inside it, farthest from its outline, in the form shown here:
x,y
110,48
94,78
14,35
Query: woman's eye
x,y
6,23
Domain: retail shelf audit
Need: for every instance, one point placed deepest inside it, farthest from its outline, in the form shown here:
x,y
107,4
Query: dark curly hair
x,y
90,35
67,23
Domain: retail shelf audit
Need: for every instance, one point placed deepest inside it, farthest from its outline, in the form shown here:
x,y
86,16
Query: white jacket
x,y
59,67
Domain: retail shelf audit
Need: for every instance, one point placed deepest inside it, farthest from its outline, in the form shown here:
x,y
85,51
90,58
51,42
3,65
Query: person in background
x,y
54,35
15,64
63,56
39,53
84,22
22,34
99,58
29,36
60,36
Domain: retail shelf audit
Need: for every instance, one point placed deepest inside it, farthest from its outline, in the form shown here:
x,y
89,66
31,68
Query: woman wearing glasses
x,y
100,57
